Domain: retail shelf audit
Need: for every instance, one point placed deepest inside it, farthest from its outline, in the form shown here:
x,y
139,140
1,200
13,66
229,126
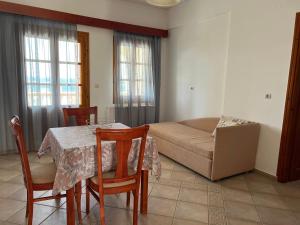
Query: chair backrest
x,y
124,140
19,135
82,115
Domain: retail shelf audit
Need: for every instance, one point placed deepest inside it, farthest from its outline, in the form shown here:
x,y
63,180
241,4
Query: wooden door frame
x,y
288,135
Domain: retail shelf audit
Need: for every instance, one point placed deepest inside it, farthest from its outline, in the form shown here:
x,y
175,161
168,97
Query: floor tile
x,y
93,202
40,213
113,216
117,201
256,177
183,176
166,174
241,210
6,175
167,165
151,219
53,202
288,190
276,216
235,184
169,182
237,195
7,189
292,203
197,186
6,223
8,164
241,222
201,179
214,187
216,216
262,187
178,167
164,191
187,222
215,199
59,217
161,206
192,195
17,180
21,195
15,157
9,207
191,211
267,200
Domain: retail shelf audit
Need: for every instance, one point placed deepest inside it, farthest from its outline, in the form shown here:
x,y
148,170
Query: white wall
x,y
197,53
259,41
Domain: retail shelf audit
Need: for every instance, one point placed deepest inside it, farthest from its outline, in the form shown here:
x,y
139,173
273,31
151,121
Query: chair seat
x,y
44,174
111,174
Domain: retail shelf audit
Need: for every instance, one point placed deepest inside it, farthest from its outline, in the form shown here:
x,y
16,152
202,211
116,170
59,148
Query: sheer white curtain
x,y
137,78
43,61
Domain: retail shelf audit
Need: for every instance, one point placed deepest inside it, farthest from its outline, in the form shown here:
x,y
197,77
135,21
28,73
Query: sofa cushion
x,y
194,140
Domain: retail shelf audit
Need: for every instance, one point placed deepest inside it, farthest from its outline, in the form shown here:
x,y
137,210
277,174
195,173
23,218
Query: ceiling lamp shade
x,y
163,3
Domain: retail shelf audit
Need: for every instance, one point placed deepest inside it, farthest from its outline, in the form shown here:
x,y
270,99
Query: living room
x,y
236,59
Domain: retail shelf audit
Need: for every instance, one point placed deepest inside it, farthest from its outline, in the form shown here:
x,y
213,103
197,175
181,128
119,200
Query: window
x,y
72,70
135,68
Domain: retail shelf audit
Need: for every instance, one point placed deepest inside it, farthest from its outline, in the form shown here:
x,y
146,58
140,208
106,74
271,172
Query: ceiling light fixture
x,y
163,3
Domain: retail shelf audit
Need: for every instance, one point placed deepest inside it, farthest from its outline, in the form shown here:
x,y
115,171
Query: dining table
x,y
73,150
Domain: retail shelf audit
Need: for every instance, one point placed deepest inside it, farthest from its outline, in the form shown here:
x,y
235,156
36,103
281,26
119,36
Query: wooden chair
x,y
122,179
40,179
82,115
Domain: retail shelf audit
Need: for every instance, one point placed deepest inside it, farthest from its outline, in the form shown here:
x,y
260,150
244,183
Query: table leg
x,y
144,191
70,207
78,200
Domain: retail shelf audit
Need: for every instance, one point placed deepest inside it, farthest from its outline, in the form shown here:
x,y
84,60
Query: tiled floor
x,y
180,197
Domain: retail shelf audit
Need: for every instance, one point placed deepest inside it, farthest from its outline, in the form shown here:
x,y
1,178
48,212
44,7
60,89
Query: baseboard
x,y
266,174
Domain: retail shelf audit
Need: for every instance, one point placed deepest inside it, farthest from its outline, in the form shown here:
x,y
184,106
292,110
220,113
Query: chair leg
x,y
78,200
30,207
87,197
128,199
135,207
101,203
27,205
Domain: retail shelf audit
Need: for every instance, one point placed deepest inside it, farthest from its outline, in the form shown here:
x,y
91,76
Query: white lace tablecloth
x,y
74,152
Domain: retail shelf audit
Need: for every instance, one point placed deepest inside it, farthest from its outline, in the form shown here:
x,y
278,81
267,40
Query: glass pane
x,y
37,48
124,88
69,73
142,54
68,51
140,72
39,95
69,95
139,88
125,53
124,71
37,72
43,48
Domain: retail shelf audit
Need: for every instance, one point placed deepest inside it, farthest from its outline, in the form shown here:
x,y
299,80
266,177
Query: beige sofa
x,y
231,151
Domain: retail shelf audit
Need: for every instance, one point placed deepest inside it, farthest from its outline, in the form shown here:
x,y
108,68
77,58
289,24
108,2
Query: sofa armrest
x,y
235,150
207,124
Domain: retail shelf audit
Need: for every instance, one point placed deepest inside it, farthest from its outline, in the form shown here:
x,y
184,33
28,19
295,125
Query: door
x,y
289,156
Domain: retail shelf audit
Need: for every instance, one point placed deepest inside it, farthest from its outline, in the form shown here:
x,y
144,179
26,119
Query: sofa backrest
x,y
206,124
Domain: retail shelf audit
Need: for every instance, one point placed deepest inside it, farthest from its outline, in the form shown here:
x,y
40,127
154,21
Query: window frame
x,y
135,63
83,40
